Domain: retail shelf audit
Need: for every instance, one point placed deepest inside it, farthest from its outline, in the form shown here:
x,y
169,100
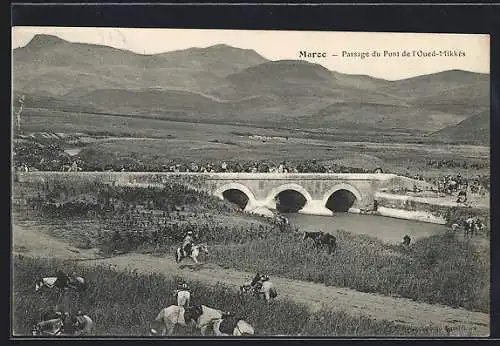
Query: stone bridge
x,y
316,193
322,193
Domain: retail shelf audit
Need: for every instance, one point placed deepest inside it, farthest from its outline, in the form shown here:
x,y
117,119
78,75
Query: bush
x,y
437,269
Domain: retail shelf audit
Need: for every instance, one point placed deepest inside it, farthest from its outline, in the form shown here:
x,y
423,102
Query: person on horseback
x,y
188,243
181,287
229,322
54,313
258,285
77,320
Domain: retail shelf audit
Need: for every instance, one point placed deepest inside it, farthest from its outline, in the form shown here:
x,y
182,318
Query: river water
x,y
387,229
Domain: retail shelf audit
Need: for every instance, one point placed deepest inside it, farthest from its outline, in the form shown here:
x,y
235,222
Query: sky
x,y
281,45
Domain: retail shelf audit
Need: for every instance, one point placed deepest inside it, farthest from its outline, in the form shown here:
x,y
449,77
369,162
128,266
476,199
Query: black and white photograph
x,y
252,183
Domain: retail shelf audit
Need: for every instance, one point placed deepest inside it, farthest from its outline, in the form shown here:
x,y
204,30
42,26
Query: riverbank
x,y
428,209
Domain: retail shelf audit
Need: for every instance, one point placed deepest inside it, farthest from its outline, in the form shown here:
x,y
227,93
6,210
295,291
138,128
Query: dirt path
x,y
30,241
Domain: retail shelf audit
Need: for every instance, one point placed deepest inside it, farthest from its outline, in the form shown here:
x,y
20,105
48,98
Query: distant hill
x,y
427,85
48,64
473,130
454,92
232,84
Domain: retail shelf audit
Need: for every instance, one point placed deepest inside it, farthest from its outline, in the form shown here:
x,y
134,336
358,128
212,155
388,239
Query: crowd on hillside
x,y
455,164
30,156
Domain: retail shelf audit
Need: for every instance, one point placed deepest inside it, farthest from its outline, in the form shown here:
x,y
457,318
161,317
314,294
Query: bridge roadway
x,y
261,189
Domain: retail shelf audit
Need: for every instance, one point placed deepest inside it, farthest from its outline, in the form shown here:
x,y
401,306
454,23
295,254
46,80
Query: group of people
x,y
56,321
470,225
454,184
455,164
183,295
450,184
29,155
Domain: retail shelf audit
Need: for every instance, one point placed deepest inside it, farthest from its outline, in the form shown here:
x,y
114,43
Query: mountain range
x,y
232,84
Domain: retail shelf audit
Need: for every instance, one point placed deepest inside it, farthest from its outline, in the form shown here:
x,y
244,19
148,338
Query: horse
x,y
321,238
195,252
183,298
315,236
330,241
470,226
239,329
260,285
81,324
170,317
203,315
474,226
51,314
52,327
167,319
77,283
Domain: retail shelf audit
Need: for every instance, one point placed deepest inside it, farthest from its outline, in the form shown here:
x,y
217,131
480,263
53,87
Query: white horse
x,y
268,291
195,252
77,283
183,298
203,316
167,319
242,328
198,316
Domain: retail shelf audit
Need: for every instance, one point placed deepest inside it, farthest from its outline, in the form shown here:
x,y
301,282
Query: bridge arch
x,y
219,192
330,192
295,187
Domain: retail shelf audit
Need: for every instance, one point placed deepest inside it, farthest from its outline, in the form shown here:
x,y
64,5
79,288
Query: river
x,y
387,229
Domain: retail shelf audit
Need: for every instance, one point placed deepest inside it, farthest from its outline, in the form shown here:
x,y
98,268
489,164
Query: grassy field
x,y
128,309
440,269
160,141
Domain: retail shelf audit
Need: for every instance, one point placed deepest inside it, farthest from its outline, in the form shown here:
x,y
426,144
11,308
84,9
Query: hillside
x,y
432,84
382,116
232,84
287,78
474,130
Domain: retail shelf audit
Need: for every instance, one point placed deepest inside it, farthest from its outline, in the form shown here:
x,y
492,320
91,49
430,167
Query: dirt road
x,y
29,240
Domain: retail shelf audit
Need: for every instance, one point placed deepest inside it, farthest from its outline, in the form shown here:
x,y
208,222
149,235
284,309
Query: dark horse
x,y
322,239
